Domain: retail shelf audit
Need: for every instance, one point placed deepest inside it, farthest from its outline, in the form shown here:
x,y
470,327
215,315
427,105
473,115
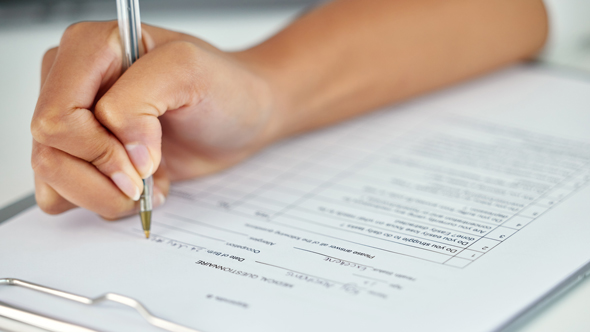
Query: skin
x,y
186,109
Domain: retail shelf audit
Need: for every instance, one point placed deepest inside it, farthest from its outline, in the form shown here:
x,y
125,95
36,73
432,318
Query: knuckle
x,y
49,56
183,48
46,127
81,31
190,66
106,113
186,55
104,156
74,30
82,28
43,161
103,108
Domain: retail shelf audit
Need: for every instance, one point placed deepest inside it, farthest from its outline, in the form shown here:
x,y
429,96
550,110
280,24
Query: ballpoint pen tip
x,y
146,221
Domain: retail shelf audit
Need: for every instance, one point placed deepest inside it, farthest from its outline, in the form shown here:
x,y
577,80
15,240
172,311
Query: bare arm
x,y
351,56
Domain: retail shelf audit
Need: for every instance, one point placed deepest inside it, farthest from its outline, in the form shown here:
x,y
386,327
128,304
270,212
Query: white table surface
x,y
21,49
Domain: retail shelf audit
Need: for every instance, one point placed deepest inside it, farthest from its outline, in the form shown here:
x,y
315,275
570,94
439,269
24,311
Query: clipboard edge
x,y
17,207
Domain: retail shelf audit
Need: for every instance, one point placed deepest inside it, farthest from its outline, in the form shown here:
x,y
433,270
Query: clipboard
x,y
26,317
517,321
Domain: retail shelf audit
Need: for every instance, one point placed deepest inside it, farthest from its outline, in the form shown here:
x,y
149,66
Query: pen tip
x,y
146,221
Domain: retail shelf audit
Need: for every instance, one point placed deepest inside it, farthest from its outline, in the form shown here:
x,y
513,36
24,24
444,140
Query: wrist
x,y
270,93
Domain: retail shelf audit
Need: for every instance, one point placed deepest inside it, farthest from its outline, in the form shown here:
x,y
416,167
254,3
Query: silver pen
x,y
130,32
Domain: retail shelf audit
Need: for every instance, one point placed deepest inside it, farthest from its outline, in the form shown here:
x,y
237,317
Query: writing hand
x,y
182,110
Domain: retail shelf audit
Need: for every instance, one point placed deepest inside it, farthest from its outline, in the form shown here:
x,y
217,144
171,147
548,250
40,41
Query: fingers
x,y
165,79
82,66
77,182
50,201
80,135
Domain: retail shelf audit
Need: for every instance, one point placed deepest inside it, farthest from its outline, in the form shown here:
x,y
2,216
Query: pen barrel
x,y
145,200
129,31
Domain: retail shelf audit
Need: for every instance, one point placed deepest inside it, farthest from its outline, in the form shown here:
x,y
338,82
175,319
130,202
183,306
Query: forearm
x,y
351,56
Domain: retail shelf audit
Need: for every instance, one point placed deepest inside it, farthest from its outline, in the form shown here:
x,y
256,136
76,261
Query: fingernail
x,y
140,157
159,199
126,185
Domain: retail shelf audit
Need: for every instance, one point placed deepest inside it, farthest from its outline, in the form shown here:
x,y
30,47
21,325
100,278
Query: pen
x,y
130,32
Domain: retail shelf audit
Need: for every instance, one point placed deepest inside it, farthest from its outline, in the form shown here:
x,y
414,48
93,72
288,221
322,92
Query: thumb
x,y
159,81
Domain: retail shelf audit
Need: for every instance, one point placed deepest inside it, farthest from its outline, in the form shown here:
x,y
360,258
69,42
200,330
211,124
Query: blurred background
x,y
43,11
30,27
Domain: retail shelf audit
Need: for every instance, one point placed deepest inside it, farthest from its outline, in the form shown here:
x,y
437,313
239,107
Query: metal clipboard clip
x,y
39,322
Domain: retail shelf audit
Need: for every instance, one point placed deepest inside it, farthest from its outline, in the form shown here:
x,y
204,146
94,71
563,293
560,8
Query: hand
x,y
184,109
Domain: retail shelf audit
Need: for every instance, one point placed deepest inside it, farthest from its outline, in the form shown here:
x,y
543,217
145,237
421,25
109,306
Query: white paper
x,y
450,213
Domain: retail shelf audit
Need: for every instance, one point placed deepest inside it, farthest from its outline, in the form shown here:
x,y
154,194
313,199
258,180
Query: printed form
x,y
451,213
